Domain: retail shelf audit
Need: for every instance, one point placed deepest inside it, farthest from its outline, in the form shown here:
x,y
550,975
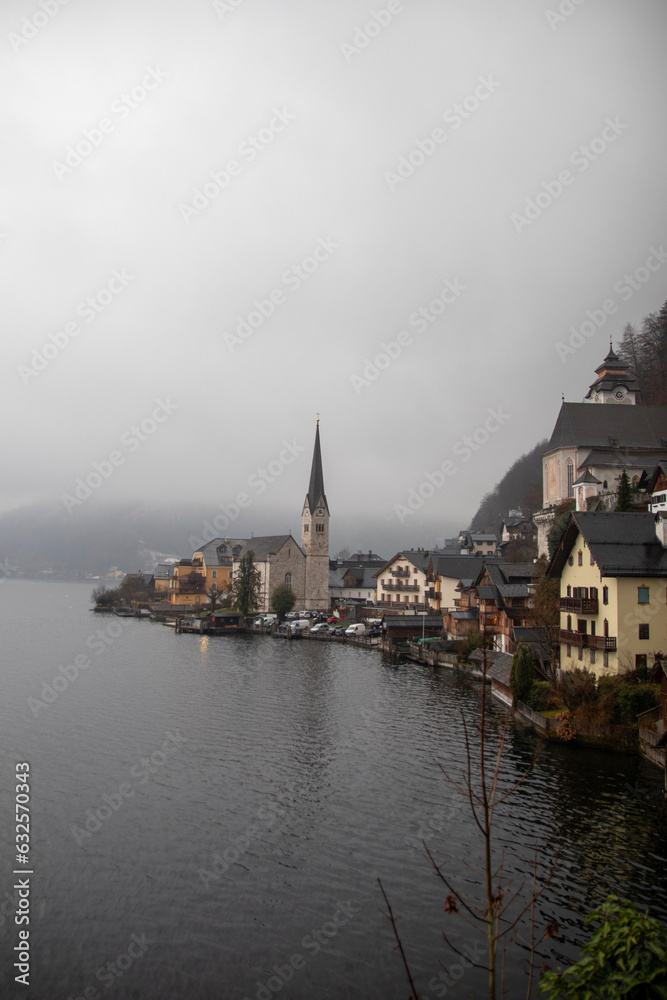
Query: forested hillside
x,y
645,350
519,489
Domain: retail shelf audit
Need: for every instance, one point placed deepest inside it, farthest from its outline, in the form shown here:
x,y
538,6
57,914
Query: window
x,y
580,653
592,656
570,560
594,593
605,628
569,623
592,628
214,587
570,477
569,591
605,595
580,558
605,659
288,578
319,527
306,527
569,651
640,661
643,632
214,574
642,595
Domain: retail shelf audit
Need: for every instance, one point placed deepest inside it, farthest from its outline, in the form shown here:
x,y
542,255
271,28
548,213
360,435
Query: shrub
x,y
577,687
626,957
104,598
633,699
539,697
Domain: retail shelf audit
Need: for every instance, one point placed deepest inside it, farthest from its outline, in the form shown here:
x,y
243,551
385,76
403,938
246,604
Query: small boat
x,y
125,612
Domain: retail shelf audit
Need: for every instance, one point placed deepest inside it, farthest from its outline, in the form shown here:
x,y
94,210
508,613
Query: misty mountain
x,y
520,489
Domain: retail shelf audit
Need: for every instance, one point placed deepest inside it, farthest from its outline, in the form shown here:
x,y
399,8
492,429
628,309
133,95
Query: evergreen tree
x,y
246,585
624,495
521,675
283,600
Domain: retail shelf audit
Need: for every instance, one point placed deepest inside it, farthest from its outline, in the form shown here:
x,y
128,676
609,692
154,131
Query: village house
x,y
217,560
187,586
478,543
495,602
612,569
402,583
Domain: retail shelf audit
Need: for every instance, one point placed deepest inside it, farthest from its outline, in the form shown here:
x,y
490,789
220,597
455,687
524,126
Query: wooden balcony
x,y
401,585
606,643
582,605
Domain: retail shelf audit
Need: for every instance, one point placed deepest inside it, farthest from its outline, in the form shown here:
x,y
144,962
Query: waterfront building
x,y
612,569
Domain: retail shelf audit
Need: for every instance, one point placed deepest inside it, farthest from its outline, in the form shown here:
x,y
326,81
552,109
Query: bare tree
x,y
504,909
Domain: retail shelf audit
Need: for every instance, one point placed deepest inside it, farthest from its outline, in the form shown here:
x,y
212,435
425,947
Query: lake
x,y
210,815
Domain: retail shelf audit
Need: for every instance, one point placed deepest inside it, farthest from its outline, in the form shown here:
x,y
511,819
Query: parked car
x,y
320,627
374,632
338,630
357,628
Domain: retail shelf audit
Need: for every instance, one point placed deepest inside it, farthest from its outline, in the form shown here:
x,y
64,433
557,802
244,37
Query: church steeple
x,y
614,383
315,534
316,488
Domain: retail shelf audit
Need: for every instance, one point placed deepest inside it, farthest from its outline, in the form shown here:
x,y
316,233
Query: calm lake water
x,y
210,816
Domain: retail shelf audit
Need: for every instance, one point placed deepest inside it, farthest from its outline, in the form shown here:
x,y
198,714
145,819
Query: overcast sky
x,y
444,188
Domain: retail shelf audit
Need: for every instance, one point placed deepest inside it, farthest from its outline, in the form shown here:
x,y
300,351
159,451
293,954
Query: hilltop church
x,y
280,558
592,445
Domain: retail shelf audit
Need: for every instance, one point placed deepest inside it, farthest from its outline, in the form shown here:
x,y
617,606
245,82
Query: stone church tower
x,y
315,535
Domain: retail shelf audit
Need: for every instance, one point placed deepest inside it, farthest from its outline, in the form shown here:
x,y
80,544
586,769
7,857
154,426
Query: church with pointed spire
x,y
315,534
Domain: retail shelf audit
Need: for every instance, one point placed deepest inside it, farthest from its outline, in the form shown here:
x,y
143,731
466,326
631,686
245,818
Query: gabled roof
x,y
163,571
266,545
365,577
219,551
621,544
455,567
587,425
618,458
587,477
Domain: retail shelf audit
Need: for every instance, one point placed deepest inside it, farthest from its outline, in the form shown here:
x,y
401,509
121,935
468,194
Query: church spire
x,y
316,486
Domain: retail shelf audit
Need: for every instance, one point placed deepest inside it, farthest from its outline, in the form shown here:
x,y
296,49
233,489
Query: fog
x,y
423,221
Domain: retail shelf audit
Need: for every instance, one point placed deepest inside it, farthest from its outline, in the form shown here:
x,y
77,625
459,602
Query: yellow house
x,y
216,560
186,587
613,586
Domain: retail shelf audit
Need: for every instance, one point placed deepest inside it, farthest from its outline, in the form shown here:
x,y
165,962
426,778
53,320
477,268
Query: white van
x,y
357,629
303,625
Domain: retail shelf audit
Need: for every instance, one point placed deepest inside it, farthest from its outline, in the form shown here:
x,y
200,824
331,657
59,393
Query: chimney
x,y
661,534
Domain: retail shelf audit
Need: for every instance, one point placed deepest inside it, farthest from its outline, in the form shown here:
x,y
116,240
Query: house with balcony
x,y
612,569
187,586
402,582
495,602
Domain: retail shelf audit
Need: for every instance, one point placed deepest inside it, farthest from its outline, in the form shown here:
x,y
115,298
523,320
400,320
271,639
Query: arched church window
x,y
288,578
570,477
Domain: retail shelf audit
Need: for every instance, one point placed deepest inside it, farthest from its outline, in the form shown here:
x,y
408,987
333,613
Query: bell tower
x,y
315,534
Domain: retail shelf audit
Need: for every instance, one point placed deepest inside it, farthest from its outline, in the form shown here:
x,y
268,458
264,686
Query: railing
x,y
400,572
588,605
401,586
605,642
